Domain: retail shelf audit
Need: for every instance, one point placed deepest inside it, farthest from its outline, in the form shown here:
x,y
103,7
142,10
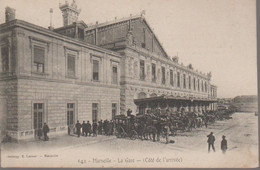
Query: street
x,y
189,150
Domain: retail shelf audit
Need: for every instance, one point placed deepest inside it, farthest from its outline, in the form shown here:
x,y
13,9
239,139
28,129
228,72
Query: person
x,y
105,126
94,126
78,127
211,140
100,127
158,130
129,111
224,144
45,130
111,127
84,128
88,128
167,133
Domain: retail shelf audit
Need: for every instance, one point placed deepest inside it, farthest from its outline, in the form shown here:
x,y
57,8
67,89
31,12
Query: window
x,y
70,113
38,62
153,72
94,112
178,79
114,76
171,77
202,86
206,89
142,75
198,85
189,82
184,81
37,115
95,70
194,83
71,65
114,110
5,59
163,75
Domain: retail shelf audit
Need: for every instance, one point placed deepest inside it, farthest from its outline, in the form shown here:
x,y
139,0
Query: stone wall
x,y
55,95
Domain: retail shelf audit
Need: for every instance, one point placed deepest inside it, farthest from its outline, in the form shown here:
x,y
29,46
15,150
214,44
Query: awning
x,y
172,98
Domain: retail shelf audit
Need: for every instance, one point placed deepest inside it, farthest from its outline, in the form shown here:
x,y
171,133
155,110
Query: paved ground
x,y
189,149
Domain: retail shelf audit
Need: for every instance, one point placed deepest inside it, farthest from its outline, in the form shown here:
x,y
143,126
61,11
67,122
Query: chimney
x,y
9,14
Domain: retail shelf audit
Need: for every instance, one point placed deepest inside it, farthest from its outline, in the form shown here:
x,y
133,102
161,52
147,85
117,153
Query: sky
x,y
213,35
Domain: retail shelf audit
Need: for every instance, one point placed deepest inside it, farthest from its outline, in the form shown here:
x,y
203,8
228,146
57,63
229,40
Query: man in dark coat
x,y
105,127
211,140
45,130
158,130
78,127
84,128
111,127
88,129
224,144
94,126
100,127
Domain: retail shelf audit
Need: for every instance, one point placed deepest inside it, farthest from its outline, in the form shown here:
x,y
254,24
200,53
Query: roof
x,y
95,26
164,97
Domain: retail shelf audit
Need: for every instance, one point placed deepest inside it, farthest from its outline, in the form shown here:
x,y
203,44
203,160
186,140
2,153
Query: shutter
x,y
38,55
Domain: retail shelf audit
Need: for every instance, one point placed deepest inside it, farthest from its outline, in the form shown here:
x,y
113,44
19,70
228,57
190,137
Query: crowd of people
x,y
101,127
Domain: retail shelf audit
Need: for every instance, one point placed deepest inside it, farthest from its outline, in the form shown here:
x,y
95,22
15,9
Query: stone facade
x,y
21,86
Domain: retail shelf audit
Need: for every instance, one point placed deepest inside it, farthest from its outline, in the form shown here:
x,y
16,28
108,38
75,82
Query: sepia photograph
x,y
128,84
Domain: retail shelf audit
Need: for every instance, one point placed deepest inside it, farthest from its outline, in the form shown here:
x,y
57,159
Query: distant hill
x,y
246,103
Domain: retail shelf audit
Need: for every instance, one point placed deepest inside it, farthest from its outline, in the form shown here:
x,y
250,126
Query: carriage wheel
x,y
120,132
133,135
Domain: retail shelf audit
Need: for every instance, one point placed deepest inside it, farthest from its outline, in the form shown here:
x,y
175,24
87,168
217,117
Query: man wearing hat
x,y
224,144
211,140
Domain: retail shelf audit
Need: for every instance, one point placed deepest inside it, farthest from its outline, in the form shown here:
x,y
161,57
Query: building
x,y
87,72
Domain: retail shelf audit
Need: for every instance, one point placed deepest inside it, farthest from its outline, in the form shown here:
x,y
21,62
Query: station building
x,y
88,72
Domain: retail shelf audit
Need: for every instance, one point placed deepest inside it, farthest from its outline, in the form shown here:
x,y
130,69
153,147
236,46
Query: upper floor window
x,y
95,70
38,60
189,82
171,77
114,75
198,84
163,75
178,79
194,83
202,86
184,81
5,58
71,66
153,72
206,89
142,70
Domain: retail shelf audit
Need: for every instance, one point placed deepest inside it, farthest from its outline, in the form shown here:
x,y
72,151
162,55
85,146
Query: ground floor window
x,y
94,112
70,113
38,115
114,110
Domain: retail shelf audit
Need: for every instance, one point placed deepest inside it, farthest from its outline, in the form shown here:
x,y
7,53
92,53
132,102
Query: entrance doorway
x,y
38,112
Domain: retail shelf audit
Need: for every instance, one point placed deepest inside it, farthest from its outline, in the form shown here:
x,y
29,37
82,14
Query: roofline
x,y
45,31
94,26
136,101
